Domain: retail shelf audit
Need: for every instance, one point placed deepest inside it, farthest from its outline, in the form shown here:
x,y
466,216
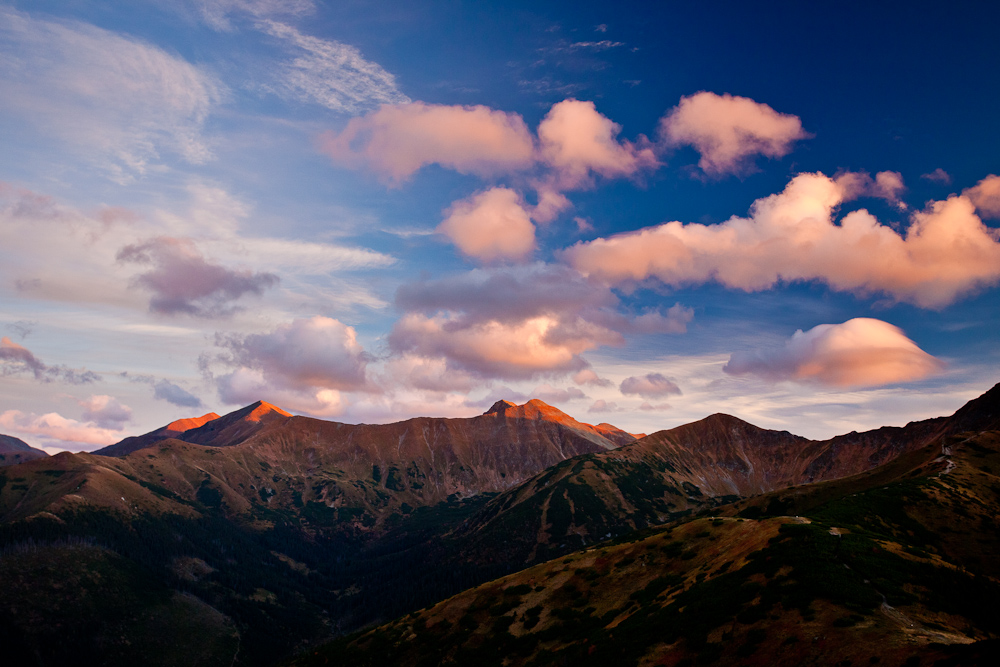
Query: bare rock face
x,y
14,450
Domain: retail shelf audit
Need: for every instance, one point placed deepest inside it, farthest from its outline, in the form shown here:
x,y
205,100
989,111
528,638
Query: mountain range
x,y
270,532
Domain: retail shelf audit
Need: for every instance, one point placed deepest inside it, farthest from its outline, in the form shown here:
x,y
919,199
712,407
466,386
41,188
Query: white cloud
x,y
330,73
217,13
118,100
862,352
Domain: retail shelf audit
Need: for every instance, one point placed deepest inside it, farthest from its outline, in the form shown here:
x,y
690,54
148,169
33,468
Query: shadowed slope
x,y
14,450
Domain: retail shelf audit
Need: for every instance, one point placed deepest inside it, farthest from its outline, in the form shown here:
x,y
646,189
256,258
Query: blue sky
x,y
641,213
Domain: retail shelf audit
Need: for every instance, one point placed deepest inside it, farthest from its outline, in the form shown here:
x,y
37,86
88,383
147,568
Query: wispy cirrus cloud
x,y
115,99
329,73
219,13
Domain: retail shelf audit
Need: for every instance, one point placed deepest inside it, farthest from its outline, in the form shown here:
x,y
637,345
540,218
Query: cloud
x,y
245,385
330,73
216,13
22,328
550,394
499,394
728,131
985,195
945,253
576,140
939,175
114,97
655,407
15,359
516,322
862,352
496,349
490,226
651,385
165,390
416,372
600,405
54,427
397,140
317,352
106,412
182,281
589,377
887,185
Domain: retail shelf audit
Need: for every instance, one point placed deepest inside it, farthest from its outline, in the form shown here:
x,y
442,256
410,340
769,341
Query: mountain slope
x,y
172,430
14,450
892,567
689,468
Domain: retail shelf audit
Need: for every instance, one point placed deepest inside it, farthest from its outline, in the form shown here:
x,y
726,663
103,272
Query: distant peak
x,y
261,408
182,425
500,407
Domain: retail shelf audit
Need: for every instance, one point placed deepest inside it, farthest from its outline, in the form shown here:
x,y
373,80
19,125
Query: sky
x,y
641,213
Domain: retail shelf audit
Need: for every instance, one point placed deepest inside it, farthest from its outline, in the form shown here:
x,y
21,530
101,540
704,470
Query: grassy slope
x,y
896,566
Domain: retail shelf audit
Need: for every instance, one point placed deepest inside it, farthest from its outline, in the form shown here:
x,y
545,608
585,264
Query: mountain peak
x,y
189,423
500,407
261,408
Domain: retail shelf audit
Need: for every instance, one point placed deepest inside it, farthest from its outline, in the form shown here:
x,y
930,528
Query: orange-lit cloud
x,y
575,139
862,352
517,322
728,131
945,253
396,141
986,196
588,377
490,226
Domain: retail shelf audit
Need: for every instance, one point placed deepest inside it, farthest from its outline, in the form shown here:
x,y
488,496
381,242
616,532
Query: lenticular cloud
x,y
946,252
862,352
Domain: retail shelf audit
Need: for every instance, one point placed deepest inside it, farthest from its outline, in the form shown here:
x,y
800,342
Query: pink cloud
x,y
318,352
986,196
183,281
862,352
575,139
939,175
55,427
887,185
397,140
588,377
945,253
550,394
728,130
600,405
106,412
651,385
490,226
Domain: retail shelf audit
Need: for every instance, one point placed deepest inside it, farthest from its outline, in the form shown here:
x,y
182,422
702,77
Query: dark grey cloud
x,y
182,281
